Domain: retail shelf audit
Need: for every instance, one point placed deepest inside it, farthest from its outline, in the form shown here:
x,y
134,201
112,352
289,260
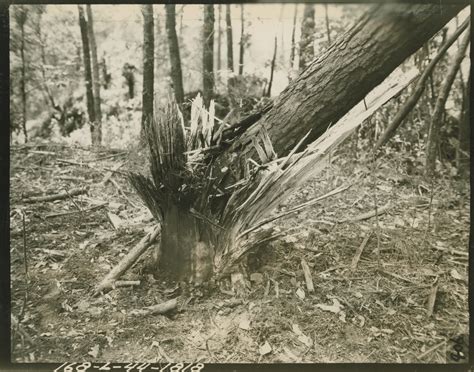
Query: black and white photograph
x,y
263,183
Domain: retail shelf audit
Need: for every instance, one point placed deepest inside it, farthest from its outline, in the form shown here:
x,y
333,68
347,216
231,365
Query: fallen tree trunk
x,y
342,76
211,184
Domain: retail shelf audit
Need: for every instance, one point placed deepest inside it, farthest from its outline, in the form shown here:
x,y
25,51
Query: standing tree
x,y
462,155
148,65
175,60
208,55
307,37
230,43
97,133
87,69
209,220
219,39
20,15
272,68
436,119
242,40
328,29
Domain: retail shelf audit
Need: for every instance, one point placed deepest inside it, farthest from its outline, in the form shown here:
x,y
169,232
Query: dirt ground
x,y
375,310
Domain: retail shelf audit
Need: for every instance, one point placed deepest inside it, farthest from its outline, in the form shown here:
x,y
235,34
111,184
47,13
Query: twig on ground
x,y
432,298
73,201
59,196
355,259
59,214
365,216
307,276
119,189
127,261
396,276
126,283
111,172
430,350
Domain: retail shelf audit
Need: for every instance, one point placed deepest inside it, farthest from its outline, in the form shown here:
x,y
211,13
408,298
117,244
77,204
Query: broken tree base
x,y
108,282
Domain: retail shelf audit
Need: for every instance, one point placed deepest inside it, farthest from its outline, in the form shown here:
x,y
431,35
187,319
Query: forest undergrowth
x,y
387,289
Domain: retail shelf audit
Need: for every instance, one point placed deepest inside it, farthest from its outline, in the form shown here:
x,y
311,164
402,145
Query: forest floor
x,y
374,312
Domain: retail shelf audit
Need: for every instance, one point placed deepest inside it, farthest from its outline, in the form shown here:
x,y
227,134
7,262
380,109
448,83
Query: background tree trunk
x,y
328,29
230,43
307,37
462,156
293,44
208,55
343,75
87,68
436,120
148,64
242,41
175,60
21,16
97,134
418,90
272,68
219,39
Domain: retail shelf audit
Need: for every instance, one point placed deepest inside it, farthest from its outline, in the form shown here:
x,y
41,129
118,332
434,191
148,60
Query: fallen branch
x,y
59,196
108,282
355,259
366,216
126,283
59,214
307,276
111,172
432,298
157,309
430,350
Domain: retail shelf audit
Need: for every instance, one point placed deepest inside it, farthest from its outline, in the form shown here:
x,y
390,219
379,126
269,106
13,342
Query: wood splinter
x,y
355,259
307,276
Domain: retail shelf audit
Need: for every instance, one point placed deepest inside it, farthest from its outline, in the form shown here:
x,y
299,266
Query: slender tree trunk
x,y
418,90
87,69
272,68
219,39
293,44
242,41
175,60
21,17
230,42
328,29
148,65
97,134
436,120
464,136
307,37
208,54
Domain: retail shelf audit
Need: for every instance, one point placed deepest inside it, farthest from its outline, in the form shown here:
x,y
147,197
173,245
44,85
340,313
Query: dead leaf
x,y
300,293
335,308
265,349
94,352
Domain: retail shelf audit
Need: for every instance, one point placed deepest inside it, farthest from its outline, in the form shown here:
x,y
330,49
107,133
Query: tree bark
x,y
230,43
97,134
436,120
208,55
343,75
272,68
87,68
307,37
148,64
175,60
418,90
242,41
